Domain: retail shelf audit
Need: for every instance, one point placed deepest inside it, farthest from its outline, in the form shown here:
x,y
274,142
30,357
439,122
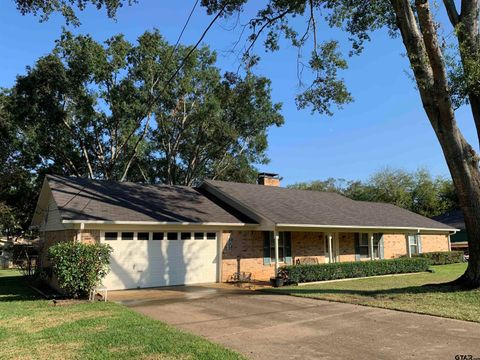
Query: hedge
x,y
321,272
442,257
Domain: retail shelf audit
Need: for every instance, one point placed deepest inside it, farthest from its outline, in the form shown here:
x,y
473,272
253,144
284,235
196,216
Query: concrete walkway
x,y
263,326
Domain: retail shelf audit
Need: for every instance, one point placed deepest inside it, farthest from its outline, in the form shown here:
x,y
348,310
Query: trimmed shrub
x,y
79,267
442,257
321,272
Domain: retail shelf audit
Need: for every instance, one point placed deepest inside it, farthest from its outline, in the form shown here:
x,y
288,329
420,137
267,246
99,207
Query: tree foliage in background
x,y
446,70
415,191
68,8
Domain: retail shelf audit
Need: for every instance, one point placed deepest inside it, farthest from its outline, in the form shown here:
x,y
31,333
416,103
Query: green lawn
x,y
407,293
31,328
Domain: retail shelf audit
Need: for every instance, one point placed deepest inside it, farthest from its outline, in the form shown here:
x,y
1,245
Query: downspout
x,y
276,238
330,256
79,233
371,246
449,242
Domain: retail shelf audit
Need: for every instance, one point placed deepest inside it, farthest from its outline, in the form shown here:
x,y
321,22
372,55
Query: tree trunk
x,y
420,39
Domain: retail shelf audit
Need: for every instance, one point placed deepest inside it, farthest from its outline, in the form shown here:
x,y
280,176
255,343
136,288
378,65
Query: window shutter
x,y
288,247
419,242
266,248
357,247
381,248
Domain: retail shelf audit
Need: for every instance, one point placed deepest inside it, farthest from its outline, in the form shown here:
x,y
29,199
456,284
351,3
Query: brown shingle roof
x,y
291,206
83,199
453,218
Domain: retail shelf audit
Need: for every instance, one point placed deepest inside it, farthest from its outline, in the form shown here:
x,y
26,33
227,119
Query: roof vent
x,y
268,179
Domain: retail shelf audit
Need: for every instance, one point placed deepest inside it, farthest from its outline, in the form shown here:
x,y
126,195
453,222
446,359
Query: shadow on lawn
x,y
423,289
15,288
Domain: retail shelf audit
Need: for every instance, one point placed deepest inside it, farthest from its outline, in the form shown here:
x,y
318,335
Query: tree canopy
x,y
67,8
111,111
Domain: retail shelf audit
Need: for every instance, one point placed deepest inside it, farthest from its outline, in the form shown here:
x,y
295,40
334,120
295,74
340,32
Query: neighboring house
x,y
169,235
454,218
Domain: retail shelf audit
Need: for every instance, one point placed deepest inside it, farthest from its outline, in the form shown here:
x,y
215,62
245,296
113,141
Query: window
x,y
198,236
365,241
111,236
157,236
172,236
363,245
211,236
413,244
284,246
127,235
143,236
185,236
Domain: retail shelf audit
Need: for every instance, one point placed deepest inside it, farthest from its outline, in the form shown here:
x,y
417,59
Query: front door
x,y
335,248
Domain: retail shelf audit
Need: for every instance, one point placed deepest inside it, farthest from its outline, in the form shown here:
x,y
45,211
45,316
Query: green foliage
x,y
67,8
79,267
277,19
108,111
442,257
415,191
8,220
321,272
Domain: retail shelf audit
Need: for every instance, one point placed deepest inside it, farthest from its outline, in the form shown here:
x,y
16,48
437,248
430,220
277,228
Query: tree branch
x,y
452,12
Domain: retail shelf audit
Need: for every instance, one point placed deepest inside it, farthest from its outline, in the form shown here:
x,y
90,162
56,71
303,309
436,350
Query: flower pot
x,y
276,281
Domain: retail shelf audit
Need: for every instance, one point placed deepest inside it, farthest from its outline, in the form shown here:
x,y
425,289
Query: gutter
x,y
169,223
416,229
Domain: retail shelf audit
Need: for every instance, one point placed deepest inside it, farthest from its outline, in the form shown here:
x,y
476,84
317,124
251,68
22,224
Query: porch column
x,y
276,237
371,246
330,255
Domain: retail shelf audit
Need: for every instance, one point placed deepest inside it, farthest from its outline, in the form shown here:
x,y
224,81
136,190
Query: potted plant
x,y
280,279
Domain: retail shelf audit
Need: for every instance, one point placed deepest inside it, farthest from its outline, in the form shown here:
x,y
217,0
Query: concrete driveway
x,y
263,326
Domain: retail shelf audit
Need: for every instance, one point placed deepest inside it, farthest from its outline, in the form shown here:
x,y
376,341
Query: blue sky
x,y
385,126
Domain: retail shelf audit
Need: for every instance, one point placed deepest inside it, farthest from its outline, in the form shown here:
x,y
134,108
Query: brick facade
x,y
90,236
308,245
248,246
50,238
434,242
346,246
394,245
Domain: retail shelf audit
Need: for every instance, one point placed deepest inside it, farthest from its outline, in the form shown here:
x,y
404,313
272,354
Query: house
x,y
170,235
454,218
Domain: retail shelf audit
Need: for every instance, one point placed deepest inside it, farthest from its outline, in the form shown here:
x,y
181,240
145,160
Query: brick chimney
x,y
268,179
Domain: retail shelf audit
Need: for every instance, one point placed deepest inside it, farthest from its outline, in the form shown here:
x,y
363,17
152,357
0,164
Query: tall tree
x,y
113,111
429,60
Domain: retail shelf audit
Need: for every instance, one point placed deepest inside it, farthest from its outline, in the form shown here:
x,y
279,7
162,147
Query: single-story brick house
x,y
170,235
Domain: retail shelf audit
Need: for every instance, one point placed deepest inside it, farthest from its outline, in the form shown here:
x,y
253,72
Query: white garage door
x,y
148,259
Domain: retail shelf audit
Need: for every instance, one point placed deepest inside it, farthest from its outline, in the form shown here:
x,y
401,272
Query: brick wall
x,y
50,238
434,242
90,236
394,245
308,244
346,246
248,245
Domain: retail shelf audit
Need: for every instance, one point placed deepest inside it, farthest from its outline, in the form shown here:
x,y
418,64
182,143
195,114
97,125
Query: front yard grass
x,y
406,292
31,328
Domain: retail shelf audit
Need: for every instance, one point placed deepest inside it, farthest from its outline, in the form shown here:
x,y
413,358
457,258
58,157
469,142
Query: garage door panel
x,y
148,263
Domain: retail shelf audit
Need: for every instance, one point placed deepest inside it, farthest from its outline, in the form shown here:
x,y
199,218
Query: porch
x,y
261,253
